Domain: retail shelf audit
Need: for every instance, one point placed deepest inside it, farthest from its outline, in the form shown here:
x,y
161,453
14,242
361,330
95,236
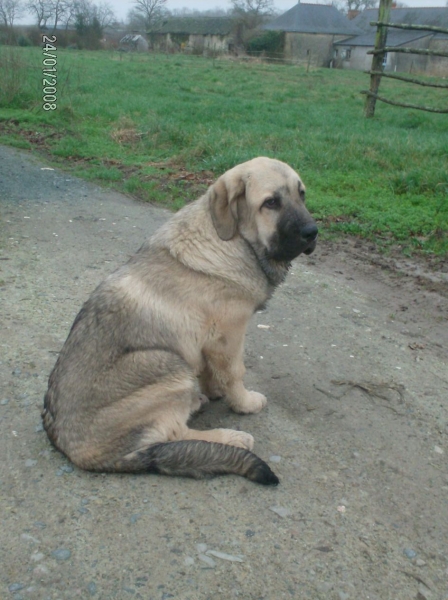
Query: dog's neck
x,y
205,252
274,271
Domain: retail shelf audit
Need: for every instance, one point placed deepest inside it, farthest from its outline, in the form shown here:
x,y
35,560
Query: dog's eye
x,y
272,203
302,195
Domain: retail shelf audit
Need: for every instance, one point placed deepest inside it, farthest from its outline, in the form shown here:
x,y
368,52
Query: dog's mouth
x,y
292,247
311,247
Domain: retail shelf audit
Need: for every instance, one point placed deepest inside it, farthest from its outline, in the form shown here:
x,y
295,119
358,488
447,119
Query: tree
x,y
248,16
105,15
360,5
355,6
10,10
90,20
58,10
251,13
42,10
148,12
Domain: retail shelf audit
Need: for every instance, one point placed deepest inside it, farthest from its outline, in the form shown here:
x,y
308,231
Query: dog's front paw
x,y
238,438
253,402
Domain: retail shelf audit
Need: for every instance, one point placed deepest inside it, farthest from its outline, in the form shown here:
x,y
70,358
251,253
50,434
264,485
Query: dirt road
x,y
353,360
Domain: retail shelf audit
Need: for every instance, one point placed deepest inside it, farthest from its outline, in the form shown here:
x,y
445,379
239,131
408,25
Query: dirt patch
x,y
352,355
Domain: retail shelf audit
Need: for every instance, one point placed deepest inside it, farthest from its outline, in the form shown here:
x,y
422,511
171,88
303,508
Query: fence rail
x,y
379,53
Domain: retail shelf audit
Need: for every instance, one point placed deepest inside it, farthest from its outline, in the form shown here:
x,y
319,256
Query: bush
x,y
270,42
24,41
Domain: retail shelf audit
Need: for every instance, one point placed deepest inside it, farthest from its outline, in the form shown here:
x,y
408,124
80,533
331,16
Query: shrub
x,y
270,42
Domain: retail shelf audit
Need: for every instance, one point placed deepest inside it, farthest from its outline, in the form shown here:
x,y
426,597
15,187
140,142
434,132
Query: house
x,y
351,53
310,31
197,35
134,42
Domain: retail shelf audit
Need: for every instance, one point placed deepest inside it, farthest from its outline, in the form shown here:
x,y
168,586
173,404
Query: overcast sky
x,y
121,7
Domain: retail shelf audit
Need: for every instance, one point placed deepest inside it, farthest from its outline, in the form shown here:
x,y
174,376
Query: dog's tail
x,y
197,459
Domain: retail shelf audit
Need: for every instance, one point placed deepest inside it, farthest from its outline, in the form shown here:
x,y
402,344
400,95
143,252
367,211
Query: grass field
x,y
161,127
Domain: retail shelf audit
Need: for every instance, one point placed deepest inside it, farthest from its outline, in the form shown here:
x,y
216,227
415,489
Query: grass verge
x,y
161,127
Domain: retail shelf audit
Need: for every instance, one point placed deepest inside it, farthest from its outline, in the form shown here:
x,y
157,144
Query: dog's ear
x,y
223,206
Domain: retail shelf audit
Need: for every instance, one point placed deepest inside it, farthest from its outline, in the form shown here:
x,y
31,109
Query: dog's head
x,y
263,200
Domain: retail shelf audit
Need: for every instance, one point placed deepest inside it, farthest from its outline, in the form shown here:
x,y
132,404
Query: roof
x,y
313,18
394,38
436,17
131,38
197,25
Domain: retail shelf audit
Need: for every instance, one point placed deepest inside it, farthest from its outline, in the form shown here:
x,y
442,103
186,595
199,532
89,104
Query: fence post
x,y
377,60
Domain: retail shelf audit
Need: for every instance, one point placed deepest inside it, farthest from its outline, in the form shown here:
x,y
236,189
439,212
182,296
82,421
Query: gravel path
x,y
354,364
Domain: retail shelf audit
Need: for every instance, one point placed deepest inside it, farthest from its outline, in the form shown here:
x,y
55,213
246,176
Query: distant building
x,y
134,42
351,53
197,35
311,30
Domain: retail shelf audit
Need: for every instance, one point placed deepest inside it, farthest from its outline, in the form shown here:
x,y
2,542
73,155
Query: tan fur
x,y
176,314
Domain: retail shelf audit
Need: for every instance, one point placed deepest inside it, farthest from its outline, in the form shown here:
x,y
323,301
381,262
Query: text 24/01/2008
x,y
49,72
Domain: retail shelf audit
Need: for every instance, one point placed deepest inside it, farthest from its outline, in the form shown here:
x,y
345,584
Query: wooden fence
x,y
381,49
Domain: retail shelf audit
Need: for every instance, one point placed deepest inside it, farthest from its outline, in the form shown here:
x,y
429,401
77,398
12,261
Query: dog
x,y
165,332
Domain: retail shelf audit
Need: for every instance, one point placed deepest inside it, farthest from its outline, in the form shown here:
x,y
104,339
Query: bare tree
x,y
353,7
105,15
10,10
151,11
58,10
360,5
42,9
69,15
251,13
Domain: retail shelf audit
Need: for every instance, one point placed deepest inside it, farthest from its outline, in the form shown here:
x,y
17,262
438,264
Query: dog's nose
x,y
309,232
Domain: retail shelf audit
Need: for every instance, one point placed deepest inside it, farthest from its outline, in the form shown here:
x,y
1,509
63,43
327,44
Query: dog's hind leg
x,y
229,437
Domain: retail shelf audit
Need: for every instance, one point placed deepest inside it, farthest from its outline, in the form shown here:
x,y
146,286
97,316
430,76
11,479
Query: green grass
x,y
161,127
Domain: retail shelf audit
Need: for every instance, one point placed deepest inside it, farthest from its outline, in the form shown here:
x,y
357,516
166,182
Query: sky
x,y
122,7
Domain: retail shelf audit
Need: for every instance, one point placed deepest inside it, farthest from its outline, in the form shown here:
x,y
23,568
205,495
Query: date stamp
x,y
49,72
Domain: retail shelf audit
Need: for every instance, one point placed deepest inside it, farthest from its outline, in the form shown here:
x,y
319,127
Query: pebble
x,y
438,450
40,571
207,560
26,537
134,518
409,553
224,556
275,458
201,548
30,463
420,563
91,588
280,511
4,401
17,371
67,468
36,556
15,587
61,554
39,428
189,561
